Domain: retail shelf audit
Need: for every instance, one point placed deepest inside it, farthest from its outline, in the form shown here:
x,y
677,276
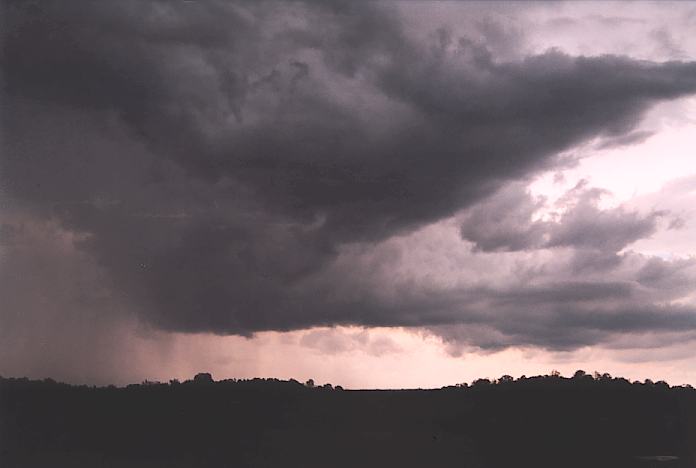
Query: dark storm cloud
x,y
214,157
564,315
568,328
505,222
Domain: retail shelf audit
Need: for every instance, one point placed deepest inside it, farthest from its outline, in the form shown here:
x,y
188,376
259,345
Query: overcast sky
x,y
370,194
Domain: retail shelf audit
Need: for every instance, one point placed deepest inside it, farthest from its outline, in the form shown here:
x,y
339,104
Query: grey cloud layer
x,y
505,222
215,157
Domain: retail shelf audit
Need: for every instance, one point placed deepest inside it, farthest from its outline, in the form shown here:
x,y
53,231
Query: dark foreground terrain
x,y
531,422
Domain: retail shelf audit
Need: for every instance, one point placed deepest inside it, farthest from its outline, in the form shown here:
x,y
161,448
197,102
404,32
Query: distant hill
x,y
546,421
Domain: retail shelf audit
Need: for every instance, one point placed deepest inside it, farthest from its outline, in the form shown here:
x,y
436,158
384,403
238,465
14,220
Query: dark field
x,y
533,422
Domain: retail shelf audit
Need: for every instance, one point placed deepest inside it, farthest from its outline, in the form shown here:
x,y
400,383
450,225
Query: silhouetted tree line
x,y
588,420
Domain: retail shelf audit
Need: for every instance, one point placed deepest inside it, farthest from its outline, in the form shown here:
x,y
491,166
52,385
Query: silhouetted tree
x,y
481,383
203,378
269,422
506,379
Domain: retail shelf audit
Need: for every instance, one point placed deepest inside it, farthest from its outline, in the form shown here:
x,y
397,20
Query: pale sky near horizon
x,y
377,195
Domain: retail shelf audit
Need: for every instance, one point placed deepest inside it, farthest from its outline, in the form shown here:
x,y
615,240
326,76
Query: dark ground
x,y
533,422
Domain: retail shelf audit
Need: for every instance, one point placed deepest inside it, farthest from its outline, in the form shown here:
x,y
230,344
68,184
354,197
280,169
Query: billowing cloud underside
x,y
242,167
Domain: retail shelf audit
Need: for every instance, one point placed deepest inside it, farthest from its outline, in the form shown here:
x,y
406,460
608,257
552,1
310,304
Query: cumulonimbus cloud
x,y
216,158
